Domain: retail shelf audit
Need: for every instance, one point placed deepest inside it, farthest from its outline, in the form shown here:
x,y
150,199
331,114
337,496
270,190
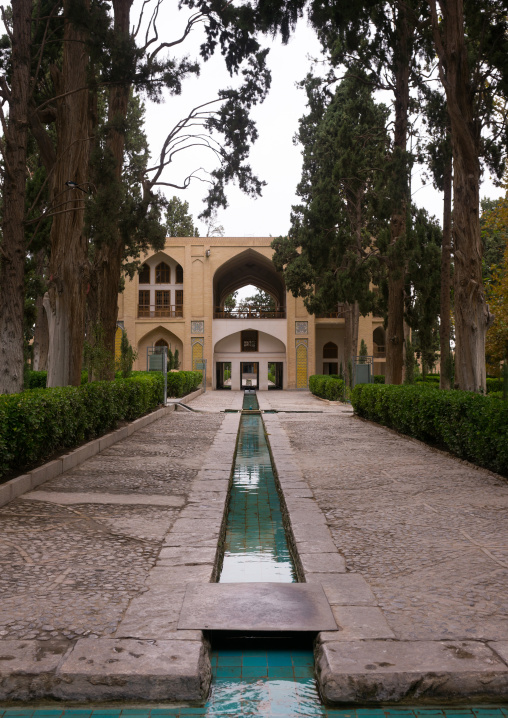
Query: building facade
x,y
177,300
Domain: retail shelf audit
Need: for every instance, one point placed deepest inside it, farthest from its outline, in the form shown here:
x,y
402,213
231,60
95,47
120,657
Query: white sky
x,y
273,157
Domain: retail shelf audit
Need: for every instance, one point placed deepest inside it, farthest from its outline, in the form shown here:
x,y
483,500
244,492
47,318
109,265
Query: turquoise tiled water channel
x,y
255,547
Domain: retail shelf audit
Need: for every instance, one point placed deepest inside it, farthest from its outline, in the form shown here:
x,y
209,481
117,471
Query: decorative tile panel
x,y
302,350
197,352
301,327
197,327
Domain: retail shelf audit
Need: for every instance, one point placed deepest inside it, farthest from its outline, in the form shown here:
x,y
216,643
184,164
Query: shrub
x,y
494,385
35,424
326,386
379,379
183,382
472,426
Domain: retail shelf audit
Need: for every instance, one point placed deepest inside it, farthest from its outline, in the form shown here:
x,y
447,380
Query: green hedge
x,y
35,424
327,387
183,382
379,378
469,425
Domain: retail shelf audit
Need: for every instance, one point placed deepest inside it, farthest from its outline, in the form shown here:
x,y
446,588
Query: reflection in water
x,y
255,548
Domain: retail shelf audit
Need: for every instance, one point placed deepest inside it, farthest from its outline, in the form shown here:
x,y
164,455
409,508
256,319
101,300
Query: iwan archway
x,y
249,341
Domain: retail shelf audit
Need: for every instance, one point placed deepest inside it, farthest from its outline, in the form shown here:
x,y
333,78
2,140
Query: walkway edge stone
x,y
14,488
362,672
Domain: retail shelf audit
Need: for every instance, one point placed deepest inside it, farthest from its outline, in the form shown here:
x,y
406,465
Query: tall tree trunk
x,y
400,181
351,322
446,249
472,317
41,333
12,248
68,266
107,265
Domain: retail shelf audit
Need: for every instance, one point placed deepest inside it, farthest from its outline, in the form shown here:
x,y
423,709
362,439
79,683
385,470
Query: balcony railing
x,y
379,352
339,314
249,313
151,311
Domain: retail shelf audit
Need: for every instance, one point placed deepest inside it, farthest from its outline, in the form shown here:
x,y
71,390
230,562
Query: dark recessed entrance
x,y
223,375
249,375
275,375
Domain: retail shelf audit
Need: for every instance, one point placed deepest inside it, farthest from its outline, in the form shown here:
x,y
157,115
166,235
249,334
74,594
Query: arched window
x,y
162,343
179,274
330,351
144,274
162,273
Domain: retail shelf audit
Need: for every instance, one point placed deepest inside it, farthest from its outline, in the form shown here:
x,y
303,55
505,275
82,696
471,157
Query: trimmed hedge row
x,y
472,426
327,387
183,382
35,424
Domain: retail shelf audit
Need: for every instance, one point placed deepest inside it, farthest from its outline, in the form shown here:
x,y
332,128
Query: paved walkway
x,y
410,545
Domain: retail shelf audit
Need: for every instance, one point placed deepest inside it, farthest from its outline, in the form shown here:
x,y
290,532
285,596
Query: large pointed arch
x,y
248,267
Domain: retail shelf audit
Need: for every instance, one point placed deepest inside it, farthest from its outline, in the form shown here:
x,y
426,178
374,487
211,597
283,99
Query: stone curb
x,y
29,481
363,662
105,669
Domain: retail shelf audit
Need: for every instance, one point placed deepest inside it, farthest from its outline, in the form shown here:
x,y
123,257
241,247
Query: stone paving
x,y
428,532
74,553
409,544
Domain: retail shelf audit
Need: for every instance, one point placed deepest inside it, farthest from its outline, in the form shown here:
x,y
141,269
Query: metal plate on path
x,y
256,607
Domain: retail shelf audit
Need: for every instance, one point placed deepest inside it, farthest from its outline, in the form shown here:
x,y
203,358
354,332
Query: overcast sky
x,y
274,158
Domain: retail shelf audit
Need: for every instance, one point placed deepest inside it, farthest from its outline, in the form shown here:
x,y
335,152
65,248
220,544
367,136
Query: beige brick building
x,y
178,300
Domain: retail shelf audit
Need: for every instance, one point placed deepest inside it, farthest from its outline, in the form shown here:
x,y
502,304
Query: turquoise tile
x,y
254,660
304,672
229,672
276,672
254,672
339,713
193,711
279,658
228,659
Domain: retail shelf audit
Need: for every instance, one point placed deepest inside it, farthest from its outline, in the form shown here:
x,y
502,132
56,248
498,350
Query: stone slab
x,y
166,576
187,555
67,499
78,456
20,485
323,563
46,472
132,669
501,648
348,589
154,613
357,672
191,539
256,607
324,546
360,622
26,667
